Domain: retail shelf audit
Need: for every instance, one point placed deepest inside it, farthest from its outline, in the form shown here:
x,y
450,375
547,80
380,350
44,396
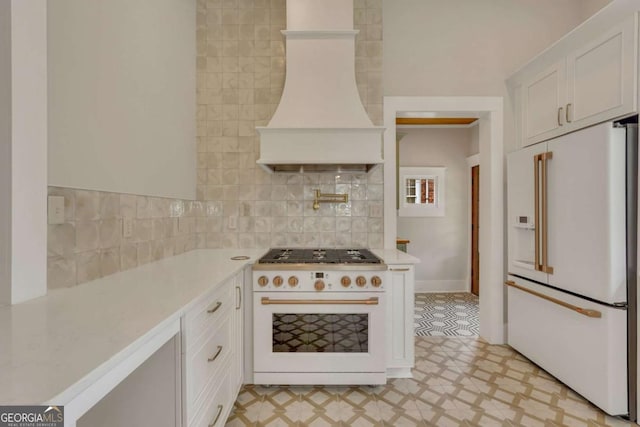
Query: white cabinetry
x,y
593,83
237,372
212,355
400,312
543,98
601,77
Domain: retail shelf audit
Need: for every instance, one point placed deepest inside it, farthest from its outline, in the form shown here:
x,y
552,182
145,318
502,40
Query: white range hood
x,y
320,124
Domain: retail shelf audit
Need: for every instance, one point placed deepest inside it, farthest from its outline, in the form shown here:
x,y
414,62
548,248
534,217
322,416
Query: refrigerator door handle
x,y
584,311
536,215
545,229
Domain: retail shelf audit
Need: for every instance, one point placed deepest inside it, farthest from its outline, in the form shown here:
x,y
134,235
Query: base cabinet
x,y
212,355
400,313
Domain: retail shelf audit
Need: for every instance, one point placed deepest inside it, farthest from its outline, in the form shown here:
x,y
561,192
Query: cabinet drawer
x,y
206,315
205,361
217,406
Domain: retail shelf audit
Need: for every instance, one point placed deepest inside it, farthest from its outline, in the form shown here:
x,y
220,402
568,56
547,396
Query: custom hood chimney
x,y
320,124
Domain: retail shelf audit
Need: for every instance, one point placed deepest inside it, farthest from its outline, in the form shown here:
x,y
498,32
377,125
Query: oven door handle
x,y
368,301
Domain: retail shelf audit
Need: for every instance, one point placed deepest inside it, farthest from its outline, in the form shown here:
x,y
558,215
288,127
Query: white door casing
x,y
492,273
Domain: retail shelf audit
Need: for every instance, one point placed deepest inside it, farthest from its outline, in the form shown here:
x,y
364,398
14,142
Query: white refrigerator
x,y
572,233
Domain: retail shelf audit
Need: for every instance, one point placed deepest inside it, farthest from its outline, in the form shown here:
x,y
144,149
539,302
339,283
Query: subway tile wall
x,y
241,72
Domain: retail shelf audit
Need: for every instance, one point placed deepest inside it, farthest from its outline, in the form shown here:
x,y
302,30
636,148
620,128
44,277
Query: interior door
x,y
475,223
521,196
586,211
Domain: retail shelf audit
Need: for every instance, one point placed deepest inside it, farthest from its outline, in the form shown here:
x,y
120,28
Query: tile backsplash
x,y
90,243
240,77
280,213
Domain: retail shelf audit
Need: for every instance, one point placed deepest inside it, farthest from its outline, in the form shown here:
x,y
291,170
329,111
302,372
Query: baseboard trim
x,y
442,286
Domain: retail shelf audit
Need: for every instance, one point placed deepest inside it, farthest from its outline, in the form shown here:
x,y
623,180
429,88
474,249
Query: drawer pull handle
x,y
215,420
215,356
584,311
214,309
399,269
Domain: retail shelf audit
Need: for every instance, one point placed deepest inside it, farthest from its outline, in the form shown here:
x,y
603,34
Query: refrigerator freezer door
x,y
586,213
586,353
521,220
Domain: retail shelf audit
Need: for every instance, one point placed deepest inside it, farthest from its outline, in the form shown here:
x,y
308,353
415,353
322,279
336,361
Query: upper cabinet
x,y
587,85
601,77
543,98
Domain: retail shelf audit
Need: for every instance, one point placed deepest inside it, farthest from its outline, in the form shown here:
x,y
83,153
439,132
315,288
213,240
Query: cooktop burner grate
x,y
319,256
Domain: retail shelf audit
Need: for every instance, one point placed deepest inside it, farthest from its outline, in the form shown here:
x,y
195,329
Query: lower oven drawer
x,y
589,354
334,333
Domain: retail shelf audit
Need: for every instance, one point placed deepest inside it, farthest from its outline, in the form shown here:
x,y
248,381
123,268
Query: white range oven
x,y
319,317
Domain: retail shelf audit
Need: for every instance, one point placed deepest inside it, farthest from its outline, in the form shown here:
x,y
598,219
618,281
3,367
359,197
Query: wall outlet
x,y
55,209
233,222
127,227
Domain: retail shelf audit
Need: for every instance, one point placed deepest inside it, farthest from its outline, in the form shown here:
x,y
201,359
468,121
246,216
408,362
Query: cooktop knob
x,y
346,281
277,281
376,281
293,281
319,285
361,281
263,280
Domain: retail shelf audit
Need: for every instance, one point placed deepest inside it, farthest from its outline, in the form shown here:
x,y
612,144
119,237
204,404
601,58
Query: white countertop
x,y
59,343
394,256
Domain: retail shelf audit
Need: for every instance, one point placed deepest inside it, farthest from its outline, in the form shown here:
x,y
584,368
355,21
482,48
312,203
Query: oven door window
x,y
320,333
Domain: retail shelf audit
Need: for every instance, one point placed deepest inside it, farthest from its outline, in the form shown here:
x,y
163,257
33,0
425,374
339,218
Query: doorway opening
x,y
489,112
434,208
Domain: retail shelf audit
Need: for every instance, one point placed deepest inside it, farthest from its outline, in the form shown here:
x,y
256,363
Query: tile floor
x,y
457,382
446,314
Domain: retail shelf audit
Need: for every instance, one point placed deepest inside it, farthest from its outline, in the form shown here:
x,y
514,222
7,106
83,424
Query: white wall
x,y
589,7
441,243
122,96
469,47
5,153
28,148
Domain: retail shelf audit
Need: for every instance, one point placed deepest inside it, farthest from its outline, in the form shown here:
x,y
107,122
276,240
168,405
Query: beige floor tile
x,y
429,411
361,418
239,422
270,416
318,418
440,397
468,418
457,382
